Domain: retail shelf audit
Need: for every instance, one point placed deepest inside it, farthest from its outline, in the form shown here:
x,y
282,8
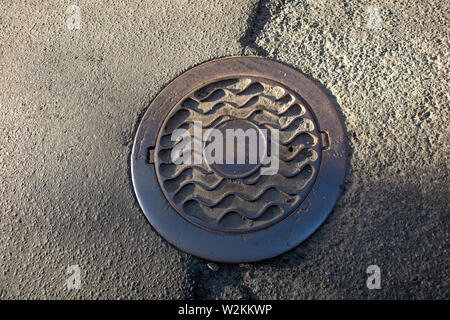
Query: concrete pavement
x,y
70,102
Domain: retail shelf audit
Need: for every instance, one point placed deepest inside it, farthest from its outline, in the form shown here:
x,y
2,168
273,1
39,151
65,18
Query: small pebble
x,y
213,267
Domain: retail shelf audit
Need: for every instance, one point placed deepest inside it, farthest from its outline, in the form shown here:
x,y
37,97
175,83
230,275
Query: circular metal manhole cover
x,y
239,159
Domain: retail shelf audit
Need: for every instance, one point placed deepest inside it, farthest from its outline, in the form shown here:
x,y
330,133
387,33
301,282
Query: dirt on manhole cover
x,y
239,159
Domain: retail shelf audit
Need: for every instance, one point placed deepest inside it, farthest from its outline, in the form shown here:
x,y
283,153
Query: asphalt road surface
x,y
74,82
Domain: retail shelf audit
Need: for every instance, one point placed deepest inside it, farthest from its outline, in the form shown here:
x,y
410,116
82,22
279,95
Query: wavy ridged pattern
x,y
225,204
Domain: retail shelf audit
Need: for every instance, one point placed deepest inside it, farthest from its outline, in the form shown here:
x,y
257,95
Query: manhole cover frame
x,y
266,243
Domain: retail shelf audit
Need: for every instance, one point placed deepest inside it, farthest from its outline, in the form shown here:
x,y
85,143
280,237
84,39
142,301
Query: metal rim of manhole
x,y
196,191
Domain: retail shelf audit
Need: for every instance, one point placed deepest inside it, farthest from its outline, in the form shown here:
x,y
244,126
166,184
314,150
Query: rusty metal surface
x,y
195,208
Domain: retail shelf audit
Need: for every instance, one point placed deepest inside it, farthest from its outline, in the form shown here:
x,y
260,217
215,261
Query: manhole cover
x,y
239,159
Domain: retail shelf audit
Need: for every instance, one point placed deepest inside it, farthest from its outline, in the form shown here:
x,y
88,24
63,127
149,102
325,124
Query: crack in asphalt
x,y
255,23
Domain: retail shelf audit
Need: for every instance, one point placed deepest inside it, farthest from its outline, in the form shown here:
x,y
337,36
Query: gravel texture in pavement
x,y
71,100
